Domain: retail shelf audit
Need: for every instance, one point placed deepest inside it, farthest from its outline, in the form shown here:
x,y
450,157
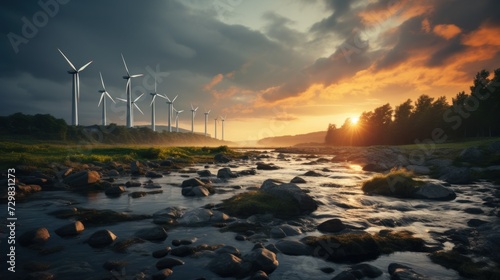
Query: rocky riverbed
x,y
162,220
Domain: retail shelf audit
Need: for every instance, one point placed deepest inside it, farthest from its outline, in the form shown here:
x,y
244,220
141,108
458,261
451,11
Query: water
x,y
338,191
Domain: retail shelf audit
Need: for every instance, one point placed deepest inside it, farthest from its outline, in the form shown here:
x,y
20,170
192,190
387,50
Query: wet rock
x,y
122,245
373,167
277,233
435,192
287,190
115,191
34,236
259,275
293,248
471,154
183,251
474,210
196,216
198,191
82,179
167,163
266,166
162,274
169,263
298,180
403,272
161,253
313,174
262,259
247,172
419,169
156,233
153,174
476,222
24,190
226,173
228,249
204,173
113,173
240,237
70,229
440,162
332,225
222,158
226,265
101,238
345,275
152,186
327,270
271,247
193,182
365,270
457,175
133,184
136,168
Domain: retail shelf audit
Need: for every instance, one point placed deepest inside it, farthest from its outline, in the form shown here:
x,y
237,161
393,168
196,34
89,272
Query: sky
x,y
280,67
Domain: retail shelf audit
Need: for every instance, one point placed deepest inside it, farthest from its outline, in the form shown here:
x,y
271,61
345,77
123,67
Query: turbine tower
x,y
104,93
128,90
177,119
133,103
193,112
222,119
215,121
153,114
76,88
170,111
206,119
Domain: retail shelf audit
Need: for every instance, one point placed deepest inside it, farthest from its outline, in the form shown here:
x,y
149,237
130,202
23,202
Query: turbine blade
x,y
153,101
84,66
162,96
209,112
175,98
124,63
155,83
168,99
121,99
138,108
196,109
181,111
192,108
110,97
102,82
138,97
136,75
102,97
69,62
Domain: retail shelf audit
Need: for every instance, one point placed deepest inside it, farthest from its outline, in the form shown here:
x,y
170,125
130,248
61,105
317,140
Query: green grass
x,y
258,202
397,183
42,154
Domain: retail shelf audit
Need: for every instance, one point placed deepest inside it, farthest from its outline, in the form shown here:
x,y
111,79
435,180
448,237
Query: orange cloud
x,y
215,80
426,25
447,31
485,35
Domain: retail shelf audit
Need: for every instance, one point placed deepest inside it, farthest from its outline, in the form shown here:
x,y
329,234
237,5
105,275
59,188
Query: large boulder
x,y
288,190
82,179
226,265
115,191
72,229
471,154
198,191
457,175
435,192
226,173
332,225
35,236
152,234
293,248
195,217
262,259
101,238
222,158
193,182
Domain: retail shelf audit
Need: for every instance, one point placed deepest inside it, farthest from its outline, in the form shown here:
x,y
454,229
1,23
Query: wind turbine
x,y
222,119
193,112
128,89
153,117
177,119
76,87
206,119
170,111
134,103
104,93
215,121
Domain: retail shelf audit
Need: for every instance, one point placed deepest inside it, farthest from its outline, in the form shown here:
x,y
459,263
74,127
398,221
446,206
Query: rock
x,y
345,275
366,270
198,191
306,203
471,154
169,263
259,275
266,166
183,251
247,172
70,229
132,184
332,225
226,265
293,248
193,182
222,158
136,168
457,175
439,162
226,173
153,174
373,167
228,249
101,238
494,147
262,259
167,216
218,216
204,173
476,222
156,233
277,233
313,174
152,186
403,272
82,179
115,191
298,180
162,274
474,210
435,192
34,236
27,189
195,217
161,253
290,230
240,237
419,169
113,173
327,270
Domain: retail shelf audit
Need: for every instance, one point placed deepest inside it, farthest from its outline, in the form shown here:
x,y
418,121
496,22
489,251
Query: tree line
x,y
473,114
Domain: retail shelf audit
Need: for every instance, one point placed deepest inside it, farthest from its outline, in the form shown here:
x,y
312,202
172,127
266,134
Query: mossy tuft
x,y
257,202
397,183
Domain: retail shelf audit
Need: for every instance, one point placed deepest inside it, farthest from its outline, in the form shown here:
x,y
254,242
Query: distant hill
x,y
292,140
